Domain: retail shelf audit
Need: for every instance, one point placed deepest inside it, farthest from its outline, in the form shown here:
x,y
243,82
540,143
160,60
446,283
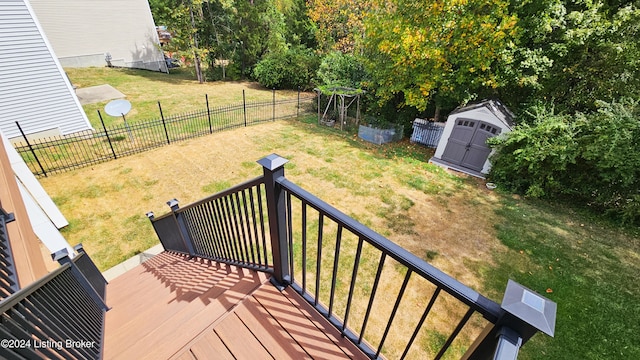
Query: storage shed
x,y
463,146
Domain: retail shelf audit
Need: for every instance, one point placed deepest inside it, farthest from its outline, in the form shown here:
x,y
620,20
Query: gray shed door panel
x,y
467,145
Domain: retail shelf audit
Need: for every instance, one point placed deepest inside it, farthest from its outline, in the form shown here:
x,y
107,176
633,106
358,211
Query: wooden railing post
x,y
524,314
273,166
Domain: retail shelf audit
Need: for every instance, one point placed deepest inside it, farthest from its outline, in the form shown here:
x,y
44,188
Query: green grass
x,y
588,266
177,92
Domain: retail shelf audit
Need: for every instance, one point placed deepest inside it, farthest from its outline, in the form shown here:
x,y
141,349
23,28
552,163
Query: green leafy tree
x,y
574,52
182,18
437,51
339,23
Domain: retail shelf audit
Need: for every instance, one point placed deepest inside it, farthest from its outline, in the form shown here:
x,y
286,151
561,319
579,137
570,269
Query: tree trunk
x,y
196,56
436,115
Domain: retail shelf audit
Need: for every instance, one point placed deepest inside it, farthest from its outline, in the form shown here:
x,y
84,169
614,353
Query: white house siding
x,y
34,90
83,31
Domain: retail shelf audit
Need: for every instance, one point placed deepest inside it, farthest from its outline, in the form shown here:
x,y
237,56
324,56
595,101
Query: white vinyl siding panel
x,y
83,31
33,88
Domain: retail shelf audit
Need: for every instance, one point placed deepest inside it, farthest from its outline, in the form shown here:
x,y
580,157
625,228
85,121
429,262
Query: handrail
x,y
232,190
29,289
228,227
8,275
488,308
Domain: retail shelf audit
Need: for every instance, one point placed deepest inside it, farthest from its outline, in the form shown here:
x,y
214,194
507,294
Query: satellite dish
x,y
118,107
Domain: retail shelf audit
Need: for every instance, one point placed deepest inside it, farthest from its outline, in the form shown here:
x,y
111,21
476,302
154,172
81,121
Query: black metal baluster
x,y
318,258
426,312
394,311
383,256
354,274
336,256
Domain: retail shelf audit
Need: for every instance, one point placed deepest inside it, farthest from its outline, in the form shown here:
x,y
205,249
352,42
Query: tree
x,y
574,52
291,69
339,69
179,17
439,51
339,23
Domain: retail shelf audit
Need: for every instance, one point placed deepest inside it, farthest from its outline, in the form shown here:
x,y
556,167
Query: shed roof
x,y
496,107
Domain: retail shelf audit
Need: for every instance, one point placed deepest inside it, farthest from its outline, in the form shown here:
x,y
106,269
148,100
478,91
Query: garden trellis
x,y
341,98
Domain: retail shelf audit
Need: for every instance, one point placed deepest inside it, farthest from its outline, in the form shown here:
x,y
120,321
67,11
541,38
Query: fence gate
x,y
426,132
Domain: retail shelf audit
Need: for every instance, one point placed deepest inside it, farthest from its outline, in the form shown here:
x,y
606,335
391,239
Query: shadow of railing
x,y
365,285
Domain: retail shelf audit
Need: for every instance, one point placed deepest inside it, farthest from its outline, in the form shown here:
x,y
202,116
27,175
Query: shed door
x,y
467,145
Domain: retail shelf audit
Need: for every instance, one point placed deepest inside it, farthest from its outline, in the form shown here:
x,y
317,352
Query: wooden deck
x,y
171,307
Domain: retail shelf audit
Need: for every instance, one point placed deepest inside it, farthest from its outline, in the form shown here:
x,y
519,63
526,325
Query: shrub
x,y
339,69
591,158
290,69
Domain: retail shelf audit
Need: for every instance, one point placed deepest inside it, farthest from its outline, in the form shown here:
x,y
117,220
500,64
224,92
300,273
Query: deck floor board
x,y
173,307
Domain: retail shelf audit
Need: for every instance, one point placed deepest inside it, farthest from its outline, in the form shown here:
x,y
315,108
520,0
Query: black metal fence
x,y
62,153
364,284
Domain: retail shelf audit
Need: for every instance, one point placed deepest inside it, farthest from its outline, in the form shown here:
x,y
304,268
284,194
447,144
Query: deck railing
x,y
374,291
8,276
59,316
227,227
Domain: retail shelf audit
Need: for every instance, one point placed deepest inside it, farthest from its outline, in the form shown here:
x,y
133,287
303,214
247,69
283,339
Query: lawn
x,y
586,264
177,92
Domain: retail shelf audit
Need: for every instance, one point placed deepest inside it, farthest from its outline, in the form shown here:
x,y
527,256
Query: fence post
x,y
244,107
107,134
524,314
164,124
182,225
273,115
319,97
298,107
273,168
62,257
206,96
31,148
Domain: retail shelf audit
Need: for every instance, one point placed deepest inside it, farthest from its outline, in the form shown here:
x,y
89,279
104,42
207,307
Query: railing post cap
x,y
533,309
173,204
150,215
79,248
60,254
272,162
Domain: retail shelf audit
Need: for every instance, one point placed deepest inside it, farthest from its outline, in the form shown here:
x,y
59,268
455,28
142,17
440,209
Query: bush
x,y
290,69
591,158
338,69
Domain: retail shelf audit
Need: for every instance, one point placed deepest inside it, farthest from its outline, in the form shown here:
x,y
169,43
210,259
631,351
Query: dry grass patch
x,y
441,218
